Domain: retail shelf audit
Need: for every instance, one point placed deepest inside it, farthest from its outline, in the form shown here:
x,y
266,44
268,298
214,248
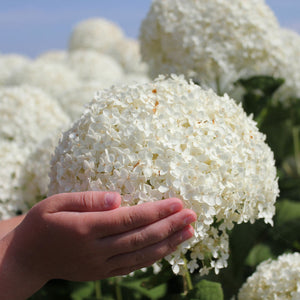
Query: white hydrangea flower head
x,y
171,138
53,56
74,101
213,42
9,64
53,78
289,66
93,66
274,279
95,34
12,157
28,114
34,177
127,53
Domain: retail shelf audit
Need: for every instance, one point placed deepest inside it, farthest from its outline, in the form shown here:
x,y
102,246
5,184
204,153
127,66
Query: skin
x,y
87,236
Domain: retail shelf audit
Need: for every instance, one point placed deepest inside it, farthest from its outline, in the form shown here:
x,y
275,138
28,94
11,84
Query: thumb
x,y
89,201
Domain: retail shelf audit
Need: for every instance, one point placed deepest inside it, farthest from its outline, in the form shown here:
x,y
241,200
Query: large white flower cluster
x,y
54,78
12,157
97,33
289,68
28,115
9,64
274,279
213,42
171,138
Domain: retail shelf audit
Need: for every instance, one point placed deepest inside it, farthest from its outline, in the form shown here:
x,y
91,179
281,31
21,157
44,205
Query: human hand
x,y
83,236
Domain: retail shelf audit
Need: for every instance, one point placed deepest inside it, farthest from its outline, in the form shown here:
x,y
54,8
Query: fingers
x,y
126,263
150,234
90,201
125,219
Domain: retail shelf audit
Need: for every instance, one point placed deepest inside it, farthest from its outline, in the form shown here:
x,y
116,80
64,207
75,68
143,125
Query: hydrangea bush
x,y
274,279
170,138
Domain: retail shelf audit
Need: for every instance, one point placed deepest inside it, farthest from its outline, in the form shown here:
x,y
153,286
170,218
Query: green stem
x,y
261,117
187,280
296,131
98,289
118,288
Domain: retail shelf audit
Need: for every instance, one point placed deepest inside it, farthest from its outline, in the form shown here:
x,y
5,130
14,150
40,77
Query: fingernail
x,y
175,207
109,200
187,233
189,219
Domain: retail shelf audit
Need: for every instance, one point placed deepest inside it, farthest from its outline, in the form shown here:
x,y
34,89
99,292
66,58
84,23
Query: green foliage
x,y
206,290
250,244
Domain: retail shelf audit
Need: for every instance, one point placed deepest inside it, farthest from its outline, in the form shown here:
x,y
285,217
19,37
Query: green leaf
x,y
136,285
286,211
82,290
258,254
206,290
267,84
287,225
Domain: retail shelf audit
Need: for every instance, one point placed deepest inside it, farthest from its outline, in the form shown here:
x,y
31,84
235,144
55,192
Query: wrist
x,y
16,280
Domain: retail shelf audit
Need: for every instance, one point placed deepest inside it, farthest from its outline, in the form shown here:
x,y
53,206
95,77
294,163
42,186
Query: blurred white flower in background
x,y
53,78
97,33
218,42
53,56
33,178
74,101
28,115
94,66
274,279
12,158
9,64
170,138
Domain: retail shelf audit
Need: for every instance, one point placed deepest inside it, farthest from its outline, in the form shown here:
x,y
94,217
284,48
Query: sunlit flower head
x,y
171,138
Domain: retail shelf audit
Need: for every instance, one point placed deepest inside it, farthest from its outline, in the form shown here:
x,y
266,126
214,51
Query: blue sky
x,y
31,27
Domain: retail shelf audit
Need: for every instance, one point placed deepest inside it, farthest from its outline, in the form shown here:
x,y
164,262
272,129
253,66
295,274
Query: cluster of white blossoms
x,y
53,56
274,279
12,157
33,178
127,53
53,78
108,38
28,114
97,33
9,64
171,138
94,66
290,67
217,42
